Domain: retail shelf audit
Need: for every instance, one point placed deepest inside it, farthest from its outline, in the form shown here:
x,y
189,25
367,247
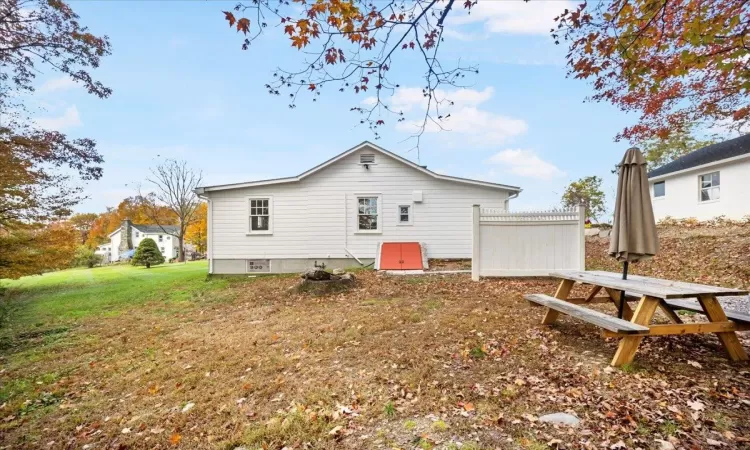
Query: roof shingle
x,y
711,153
155,229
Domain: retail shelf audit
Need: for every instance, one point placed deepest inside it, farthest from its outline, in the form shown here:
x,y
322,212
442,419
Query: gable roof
x,y
156,229
710,154
151,229
303,175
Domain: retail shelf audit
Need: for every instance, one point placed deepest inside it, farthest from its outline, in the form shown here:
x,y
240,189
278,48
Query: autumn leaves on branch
x,y
676,62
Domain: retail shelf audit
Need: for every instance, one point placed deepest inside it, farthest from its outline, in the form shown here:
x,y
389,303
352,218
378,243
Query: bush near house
x,y
147,254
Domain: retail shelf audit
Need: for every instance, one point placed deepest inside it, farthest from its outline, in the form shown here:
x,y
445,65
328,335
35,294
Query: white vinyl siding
x,y
317,216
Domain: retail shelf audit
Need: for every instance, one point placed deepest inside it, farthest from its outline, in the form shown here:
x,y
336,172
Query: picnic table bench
x,y
650,294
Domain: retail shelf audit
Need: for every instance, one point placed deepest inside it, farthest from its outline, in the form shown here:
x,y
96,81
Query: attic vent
x,y
367,158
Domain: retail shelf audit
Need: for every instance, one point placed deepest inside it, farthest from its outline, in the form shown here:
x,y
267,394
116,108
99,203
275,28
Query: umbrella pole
x,y
621,306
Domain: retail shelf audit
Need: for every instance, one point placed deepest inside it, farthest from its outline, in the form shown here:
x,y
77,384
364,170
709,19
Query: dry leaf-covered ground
x,y
424,362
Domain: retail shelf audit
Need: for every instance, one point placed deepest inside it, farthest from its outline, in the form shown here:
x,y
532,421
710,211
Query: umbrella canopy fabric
x,y
633,236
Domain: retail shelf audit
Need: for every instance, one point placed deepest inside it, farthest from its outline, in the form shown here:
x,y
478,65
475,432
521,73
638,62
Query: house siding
x,y
682,193
315,218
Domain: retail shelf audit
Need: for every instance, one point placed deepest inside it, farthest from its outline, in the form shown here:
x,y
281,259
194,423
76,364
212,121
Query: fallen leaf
x,y
696,405
695,364
175,439
188,407
664,445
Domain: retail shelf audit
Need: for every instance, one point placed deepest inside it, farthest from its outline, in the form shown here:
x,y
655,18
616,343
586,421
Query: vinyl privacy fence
x,y
511,244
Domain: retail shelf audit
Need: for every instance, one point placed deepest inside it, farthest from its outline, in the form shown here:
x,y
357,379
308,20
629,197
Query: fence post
x,y
582,234
475,242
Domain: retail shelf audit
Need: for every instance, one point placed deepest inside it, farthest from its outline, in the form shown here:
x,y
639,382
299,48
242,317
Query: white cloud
x,y
57,84
452,33
525,163
69,119
461,114
514,17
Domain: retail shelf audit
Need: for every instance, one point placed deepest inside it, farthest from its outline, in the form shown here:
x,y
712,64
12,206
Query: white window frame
x,y
136,233
664,182
379,228
398,215
248,227
701,188
161,238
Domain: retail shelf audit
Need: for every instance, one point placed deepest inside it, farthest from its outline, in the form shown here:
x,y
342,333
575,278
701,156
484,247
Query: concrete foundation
x,y
240,266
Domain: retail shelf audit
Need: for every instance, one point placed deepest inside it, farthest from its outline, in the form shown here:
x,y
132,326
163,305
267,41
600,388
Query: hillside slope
x,y
700,253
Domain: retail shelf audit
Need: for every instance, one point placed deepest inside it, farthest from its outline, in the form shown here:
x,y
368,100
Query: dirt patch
x,y
419,362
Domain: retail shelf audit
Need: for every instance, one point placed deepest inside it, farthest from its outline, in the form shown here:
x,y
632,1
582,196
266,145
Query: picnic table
x,y
650,294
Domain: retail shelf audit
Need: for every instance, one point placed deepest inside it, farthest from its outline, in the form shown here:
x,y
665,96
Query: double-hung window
x,y
710,186
260,215
404,214
161,238
368,214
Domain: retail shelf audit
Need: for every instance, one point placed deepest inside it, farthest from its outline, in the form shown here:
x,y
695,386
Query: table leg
x,y
628,345
728,339
563,290
669,312
627,312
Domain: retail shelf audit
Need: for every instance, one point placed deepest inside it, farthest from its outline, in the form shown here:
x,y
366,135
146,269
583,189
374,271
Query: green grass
x,y
59,298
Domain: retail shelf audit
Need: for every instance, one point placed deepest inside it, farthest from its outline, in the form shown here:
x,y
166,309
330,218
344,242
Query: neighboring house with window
x,y
338,212
124,240
710,182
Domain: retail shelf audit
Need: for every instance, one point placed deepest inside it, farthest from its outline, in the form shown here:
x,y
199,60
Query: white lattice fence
x,y
531,243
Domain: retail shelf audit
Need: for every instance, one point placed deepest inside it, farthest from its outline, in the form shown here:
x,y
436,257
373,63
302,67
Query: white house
x,y
707,183
125,239
338,212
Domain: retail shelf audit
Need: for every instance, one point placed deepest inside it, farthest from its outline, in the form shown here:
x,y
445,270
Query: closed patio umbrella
x,y
633,236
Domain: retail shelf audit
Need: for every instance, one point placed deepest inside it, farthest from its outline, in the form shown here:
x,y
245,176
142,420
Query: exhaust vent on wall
x,y
367,158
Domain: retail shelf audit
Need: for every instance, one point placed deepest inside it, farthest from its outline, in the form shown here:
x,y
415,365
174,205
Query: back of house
x,y
336,214
707,183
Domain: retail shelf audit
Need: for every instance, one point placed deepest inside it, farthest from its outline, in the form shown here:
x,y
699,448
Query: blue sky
x,y
184,89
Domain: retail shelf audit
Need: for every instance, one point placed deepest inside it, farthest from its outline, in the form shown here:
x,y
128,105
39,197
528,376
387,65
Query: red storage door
x,y
401,256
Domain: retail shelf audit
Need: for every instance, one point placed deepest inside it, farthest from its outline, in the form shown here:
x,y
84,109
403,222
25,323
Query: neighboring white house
x,y
121,248
704,184
338,212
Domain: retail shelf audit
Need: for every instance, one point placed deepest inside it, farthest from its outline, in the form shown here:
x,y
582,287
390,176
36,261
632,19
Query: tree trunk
x,y
181,254
148,265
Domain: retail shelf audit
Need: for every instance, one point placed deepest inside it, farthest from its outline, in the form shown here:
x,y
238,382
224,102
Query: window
x,y
710,185
367,214
161,238
260,215
367,158
404,214
136,234
167,237
659,190
162,249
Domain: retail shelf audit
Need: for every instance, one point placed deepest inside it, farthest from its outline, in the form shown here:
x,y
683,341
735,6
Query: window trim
x,y
701,188
398,215
248,229
379,229
653,189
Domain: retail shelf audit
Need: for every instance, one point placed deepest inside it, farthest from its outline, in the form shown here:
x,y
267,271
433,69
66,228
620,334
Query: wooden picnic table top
x,y
653,287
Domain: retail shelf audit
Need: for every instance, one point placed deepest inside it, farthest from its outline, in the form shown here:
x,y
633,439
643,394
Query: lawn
x,y
132,358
